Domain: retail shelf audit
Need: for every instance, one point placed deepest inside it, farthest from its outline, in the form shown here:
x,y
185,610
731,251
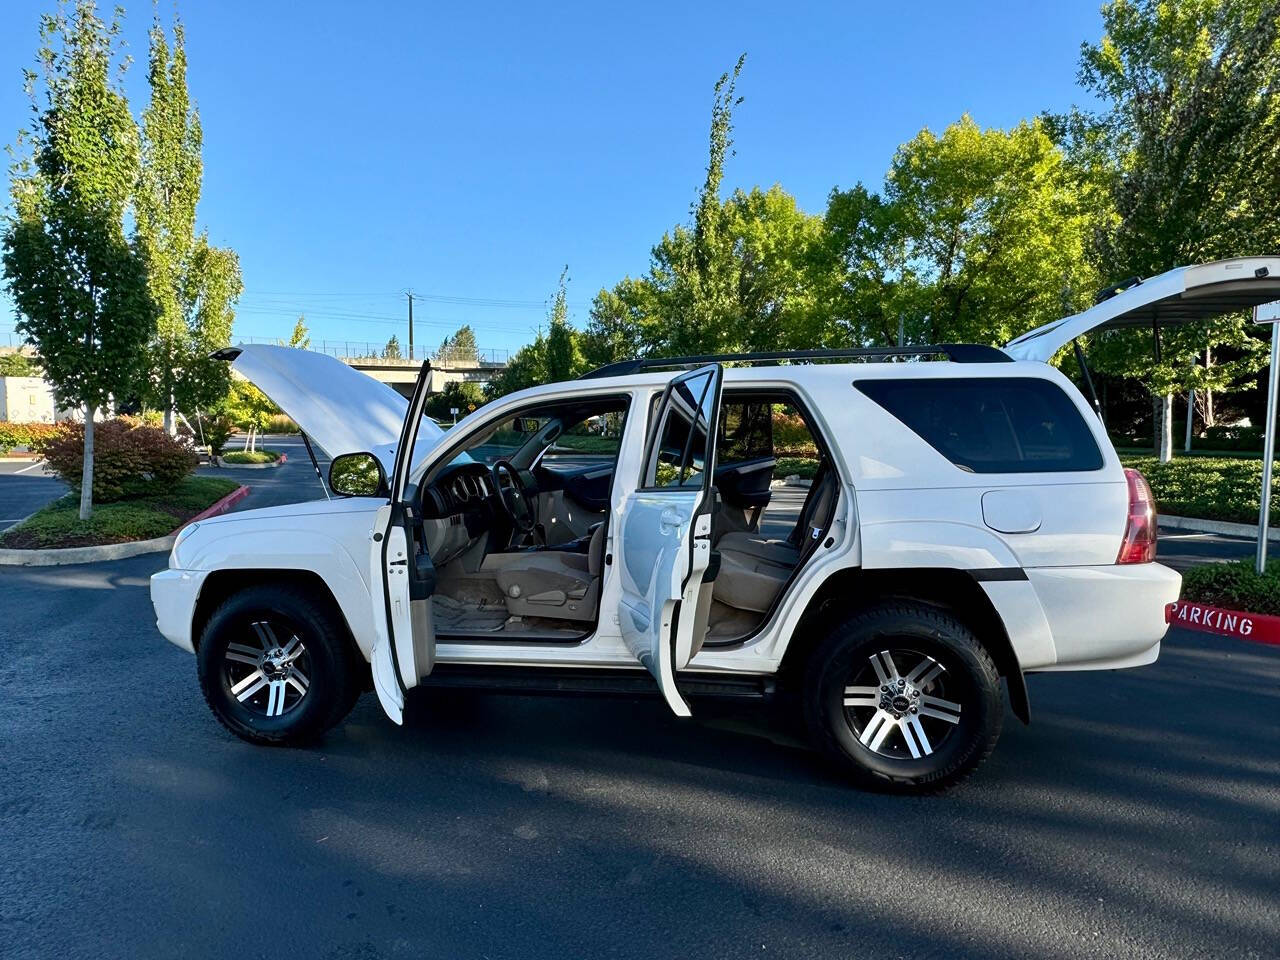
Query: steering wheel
x,y
513,496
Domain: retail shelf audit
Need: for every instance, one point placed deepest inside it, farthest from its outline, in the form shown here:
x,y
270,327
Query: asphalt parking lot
x,y
1139,816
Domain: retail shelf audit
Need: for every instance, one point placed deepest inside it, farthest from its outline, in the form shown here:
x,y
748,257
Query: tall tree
x,y
563,356
193,284
80,285
980,234
300,338
392,350
1188,145
460,347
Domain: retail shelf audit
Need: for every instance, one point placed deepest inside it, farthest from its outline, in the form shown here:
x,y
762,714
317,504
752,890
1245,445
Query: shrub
x,y
1235,586
1211,488
127,461
251,456
217,431
279,423
29,435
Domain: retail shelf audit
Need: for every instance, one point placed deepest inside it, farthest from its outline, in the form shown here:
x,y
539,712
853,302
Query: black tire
x,y
903,762
331,671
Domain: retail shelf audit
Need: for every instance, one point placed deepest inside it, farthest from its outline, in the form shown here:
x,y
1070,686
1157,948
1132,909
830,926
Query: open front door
x,y
665,544
402,577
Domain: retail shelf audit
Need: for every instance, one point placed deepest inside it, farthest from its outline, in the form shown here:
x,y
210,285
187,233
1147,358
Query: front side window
x,y
992,424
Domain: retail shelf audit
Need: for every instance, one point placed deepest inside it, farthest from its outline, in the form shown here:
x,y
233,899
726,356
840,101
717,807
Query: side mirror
x,y
357,475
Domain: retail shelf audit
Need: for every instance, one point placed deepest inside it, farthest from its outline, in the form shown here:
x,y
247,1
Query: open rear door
x,y
1181,295
402,577
665,543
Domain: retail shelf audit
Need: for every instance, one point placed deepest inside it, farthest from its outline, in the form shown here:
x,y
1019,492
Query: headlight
x,y
185,532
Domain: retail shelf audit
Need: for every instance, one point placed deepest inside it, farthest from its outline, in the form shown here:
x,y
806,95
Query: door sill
x,y
595,682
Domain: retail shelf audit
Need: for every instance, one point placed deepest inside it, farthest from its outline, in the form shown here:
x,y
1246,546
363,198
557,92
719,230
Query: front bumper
x,y
174,594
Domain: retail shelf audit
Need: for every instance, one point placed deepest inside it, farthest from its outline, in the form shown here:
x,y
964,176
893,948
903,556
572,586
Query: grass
x,y
142,518
1210,488
251,456
1234,586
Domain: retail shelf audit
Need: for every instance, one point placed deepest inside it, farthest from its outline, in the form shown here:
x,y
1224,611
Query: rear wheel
x,y
903,697
275,668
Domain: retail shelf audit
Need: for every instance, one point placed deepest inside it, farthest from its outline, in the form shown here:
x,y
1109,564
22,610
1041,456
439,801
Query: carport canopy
x,y
1182,295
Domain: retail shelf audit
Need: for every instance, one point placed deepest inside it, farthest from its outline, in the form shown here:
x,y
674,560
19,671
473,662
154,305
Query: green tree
x,y
459,348
392,350
562,356
192,283
80,285
300,338
250,410
1185,147
461,395
980,236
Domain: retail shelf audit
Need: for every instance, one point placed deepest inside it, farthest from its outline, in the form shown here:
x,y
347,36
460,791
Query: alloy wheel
x,y
898,704
268,676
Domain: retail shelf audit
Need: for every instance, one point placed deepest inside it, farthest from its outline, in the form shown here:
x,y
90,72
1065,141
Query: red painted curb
x,y
221,506
1253,627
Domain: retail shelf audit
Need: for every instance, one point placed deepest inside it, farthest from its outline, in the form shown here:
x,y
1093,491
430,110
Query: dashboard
x,y
461,489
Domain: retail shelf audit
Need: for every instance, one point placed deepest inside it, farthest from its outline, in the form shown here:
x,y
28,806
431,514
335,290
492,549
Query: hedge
x,y
1210,488
250,456
29,435
1234,586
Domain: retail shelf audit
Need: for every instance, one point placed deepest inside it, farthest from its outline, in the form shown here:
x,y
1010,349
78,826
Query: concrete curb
x,y
1246,530
113,551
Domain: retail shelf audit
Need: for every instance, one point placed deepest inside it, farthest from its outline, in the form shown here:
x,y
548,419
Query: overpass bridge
x,y
402,372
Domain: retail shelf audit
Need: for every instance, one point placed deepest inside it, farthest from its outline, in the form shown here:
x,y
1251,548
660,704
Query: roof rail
x,y
956,352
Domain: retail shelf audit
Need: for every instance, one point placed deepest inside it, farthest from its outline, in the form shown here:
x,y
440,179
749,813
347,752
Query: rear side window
x,y
992,425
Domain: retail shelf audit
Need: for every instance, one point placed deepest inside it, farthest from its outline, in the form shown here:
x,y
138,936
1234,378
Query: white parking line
x,y
38,463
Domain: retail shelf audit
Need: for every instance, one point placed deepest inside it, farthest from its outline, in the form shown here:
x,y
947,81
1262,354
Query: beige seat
x,y
753,569
550,583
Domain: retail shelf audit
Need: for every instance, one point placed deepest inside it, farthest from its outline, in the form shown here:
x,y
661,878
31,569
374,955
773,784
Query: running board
x,y
551,681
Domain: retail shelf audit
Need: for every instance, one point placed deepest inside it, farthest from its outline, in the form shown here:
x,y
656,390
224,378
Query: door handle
x,y
668,518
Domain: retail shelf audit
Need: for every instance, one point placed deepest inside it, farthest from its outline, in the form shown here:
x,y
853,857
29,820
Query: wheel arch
x,y
956,591
222,584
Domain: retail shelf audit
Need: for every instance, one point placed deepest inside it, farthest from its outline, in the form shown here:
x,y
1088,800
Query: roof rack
x,y
956,352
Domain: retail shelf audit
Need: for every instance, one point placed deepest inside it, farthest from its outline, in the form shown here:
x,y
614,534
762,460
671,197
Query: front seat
x,y
753,569
550,583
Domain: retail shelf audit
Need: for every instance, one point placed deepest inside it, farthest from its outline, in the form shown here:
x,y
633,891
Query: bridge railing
x,y
365,350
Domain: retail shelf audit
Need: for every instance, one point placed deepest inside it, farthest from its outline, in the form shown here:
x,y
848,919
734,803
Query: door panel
x,y
402,577
665,540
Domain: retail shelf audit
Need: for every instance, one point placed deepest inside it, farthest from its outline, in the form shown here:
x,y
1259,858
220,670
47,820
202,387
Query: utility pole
x,y
410,296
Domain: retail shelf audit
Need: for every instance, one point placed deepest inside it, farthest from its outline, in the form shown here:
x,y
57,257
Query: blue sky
x,y
470,151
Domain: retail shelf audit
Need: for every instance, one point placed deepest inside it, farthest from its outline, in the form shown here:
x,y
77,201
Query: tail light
x,y
1139,543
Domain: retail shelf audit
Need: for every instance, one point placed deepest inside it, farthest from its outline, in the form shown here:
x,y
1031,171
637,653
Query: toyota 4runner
x,y
954,516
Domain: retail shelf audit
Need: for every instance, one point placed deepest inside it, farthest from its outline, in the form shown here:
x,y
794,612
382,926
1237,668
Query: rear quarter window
x,y
992,425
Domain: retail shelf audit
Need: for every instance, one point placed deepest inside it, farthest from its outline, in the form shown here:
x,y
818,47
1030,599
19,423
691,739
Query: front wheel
x,y
904,698
275,668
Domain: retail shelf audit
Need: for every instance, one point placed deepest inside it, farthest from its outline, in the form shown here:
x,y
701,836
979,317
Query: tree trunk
x,y
1163,407
86,473
170,424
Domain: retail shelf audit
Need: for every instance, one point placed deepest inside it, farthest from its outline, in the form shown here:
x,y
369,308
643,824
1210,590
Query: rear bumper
x,y
173,595
1105,617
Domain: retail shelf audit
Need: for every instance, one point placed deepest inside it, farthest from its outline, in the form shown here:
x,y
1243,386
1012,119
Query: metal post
x,y
1268,451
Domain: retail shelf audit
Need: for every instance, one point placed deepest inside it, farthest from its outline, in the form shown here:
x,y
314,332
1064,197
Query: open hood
x,y
1182,295
341,409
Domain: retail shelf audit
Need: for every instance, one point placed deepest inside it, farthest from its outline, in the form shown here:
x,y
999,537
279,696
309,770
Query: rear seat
x,y
753,569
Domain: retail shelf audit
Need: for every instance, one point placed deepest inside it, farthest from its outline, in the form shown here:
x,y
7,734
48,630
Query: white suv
x,y
966,520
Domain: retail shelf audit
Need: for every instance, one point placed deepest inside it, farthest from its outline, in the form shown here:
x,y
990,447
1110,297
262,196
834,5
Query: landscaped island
x,y
143,487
